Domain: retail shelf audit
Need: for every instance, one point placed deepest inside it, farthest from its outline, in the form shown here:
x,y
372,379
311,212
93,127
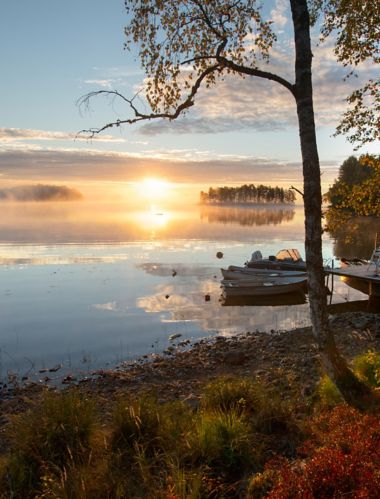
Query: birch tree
x,y
184,45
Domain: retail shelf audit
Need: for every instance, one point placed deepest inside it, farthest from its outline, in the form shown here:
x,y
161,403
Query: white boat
x,y
263,286
286,259
234,272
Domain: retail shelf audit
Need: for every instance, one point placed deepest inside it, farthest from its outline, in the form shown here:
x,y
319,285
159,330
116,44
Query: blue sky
x,y
53,52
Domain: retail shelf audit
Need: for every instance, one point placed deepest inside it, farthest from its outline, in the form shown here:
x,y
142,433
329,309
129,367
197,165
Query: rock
x,y
55,368
174,336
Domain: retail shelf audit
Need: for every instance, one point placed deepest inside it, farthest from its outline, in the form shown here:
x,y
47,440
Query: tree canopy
x,y
185,44
356,26
357,190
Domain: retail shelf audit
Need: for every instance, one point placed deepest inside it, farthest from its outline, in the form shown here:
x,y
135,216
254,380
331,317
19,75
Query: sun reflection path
x,y
153,220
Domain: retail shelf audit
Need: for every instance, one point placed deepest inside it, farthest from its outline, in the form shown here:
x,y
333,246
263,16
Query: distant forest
x,y
248,194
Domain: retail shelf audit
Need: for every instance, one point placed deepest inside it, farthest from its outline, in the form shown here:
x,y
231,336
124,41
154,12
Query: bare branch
x,y
297,190
138,116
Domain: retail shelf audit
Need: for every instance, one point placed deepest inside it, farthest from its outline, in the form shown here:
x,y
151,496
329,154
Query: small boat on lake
x,y
264,286
285,259
234,272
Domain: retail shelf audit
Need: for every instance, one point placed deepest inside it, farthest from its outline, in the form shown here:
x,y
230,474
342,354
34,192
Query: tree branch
x,y
138,116
238,68
297,190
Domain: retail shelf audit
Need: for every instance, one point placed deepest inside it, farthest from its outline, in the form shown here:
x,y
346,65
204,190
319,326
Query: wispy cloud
x,y
183,166
20,134
104,83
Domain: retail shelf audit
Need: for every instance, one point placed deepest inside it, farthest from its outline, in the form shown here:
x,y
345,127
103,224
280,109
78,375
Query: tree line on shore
x,y
248,194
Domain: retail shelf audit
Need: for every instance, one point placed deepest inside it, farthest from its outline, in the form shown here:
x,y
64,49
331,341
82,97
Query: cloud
x,y
278,13
19,134
40,192
182,166
236,104
104,83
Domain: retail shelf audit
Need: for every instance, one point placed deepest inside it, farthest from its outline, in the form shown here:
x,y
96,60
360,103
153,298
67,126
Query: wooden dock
x,y
361,277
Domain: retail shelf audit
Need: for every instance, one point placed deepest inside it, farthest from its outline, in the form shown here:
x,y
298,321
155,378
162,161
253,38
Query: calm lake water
x,y
87,286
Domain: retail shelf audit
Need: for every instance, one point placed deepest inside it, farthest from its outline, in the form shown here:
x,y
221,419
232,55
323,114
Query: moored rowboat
x,y
233,272
263,287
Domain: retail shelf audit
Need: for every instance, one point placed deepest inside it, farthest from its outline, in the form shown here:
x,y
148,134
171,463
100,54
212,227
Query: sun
x,y
153,188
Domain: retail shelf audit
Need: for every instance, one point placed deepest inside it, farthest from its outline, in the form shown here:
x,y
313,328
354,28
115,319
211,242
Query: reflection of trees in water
x,y
355,238
246,216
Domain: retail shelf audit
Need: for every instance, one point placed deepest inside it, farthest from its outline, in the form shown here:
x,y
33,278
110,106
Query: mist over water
x,y
88,285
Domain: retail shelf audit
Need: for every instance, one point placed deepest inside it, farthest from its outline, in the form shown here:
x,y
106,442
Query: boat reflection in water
x,y
295,298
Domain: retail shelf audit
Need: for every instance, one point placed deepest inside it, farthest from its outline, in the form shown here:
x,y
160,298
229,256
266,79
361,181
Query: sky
x,y
242,130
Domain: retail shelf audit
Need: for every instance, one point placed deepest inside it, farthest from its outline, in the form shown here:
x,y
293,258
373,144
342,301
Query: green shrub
x,y
328,393
367,368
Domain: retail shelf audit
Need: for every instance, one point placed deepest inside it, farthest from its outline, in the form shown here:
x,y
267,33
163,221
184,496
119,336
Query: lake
x,y
87,286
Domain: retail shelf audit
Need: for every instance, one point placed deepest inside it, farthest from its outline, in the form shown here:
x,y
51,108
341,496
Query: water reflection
x,y
178,269
356,238
259,301
246,216
106,282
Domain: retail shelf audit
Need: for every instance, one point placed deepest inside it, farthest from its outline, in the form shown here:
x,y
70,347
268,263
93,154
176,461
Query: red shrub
x,y
342,458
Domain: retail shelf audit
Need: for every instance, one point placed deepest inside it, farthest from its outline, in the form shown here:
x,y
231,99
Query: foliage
x,y
162,450
328,393
179,41
355,23
182,45
248,194
356,192
341,458
367,368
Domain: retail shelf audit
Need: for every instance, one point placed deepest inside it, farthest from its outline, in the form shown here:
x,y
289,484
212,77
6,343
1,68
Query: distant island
x,y
40,193
248,194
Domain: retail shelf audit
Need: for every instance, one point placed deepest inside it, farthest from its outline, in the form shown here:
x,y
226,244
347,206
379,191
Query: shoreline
x,y
287,360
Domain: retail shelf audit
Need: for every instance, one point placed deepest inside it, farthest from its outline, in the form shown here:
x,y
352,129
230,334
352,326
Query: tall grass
x,y
52,436
154,450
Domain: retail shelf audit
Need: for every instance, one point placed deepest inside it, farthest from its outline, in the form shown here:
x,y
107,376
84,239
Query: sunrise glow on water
x,y
89,285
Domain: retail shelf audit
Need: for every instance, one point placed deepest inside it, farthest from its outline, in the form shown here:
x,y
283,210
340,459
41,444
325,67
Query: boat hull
x,y
263,288
235,273
276,265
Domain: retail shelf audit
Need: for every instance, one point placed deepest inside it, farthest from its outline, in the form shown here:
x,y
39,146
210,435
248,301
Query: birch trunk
x,y
353,391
